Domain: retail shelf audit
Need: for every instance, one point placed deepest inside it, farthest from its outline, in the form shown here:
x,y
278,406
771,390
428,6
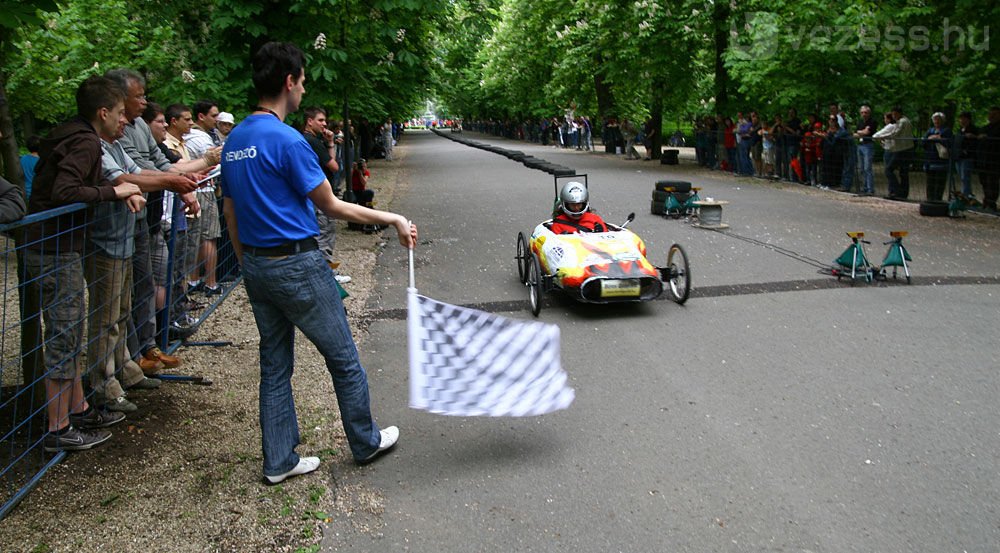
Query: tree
x,y
20,14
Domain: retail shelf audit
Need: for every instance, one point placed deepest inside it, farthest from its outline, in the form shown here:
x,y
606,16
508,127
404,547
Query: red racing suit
x,y
589,221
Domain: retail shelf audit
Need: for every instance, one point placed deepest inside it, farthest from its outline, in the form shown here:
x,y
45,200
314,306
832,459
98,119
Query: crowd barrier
x,y
836,164
23,421
933,173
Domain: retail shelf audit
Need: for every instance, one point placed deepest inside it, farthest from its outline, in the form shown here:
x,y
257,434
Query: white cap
x,y
225,117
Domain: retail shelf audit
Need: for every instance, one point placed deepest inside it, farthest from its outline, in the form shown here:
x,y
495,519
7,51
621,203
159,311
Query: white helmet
x,y
574,193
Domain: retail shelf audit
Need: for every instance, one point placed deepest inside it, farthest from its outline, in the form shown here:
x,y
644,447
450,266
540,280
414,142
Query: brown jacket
x,y
69,171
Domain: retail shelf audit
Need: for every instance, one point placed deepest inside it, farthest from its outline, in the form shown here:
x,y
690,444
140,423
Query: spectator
x,y
359,183
268,201
629,133
71,172
108,271
202,140
793,134
179,122
729,141
767,149
320,139
812,153
989,159
338,141
387,141
778,132
648,133
157,220
12,206
866,150
140,145
937,153
840,141
224,123
28,162
898,157
838,114
756,144
588,133
743,129
966,148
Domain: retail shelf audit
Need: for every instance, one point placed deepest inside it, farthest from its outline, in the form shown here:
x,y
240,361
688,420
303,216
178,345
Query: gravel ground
x,y
184,472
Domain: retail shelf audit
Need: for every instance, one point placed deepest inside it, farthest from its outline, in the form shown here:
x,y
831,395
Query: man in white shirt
x,y
200,140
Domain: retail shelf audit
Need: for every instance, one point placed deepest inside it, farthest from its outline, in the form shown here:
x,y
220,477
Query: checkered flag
x,y
469,363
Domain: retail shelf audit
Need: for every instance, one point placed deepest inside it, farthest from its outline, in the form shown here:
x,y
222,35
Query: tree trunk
x,y
605,96
720,19
656,119
9,160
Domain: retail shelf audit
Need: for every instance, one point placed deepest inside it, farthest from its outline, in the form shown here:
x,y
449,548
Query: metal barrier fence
x,y
905,168
68,313
969,170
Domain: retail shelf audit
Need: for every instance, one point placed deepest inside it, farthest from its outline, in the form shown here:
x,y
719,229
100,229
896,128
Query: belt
x,y
288,248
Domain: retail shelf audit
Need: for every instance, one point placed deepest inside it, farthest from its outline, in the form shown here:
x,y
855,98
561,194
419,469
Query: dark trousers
x,y
142,324
898,161
991,188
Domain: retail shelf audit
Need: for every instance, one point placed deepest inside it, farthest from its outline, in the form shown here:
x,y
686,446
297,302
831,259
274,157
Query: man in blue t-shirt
x,y
28,162
271,182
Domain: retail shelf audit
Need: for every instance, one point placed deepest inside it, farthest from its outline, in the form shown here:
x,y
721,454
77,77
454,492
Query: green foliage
x,y
513,58
379,54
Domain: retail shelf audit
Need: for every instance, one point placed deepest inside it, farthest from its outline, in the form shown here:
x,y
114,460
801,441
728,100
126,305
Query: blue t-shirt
x,y
28,163
268,170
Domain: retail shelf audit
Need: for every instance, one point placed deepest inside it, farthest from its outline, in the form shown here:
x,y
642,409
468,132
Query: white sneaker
x,y
389,438
343,279
305,466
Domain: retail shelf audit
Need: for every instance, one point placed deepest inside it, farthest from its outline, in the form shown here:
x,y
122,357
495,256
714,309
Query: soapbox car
x,y
598,267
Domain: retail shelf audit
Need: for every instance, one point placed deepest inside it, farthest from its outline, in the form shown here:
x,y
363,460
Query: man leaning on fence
x,y
139,144
108,270
271,181
69,171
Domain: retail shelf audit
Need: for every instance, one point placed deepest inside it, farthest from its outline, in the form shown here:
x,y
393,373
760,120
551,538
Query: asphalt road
x,y
778,410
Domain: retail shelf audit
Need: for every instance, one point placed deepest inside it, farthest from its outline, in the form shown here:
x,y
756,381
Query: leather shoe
x,y
150,365
169,361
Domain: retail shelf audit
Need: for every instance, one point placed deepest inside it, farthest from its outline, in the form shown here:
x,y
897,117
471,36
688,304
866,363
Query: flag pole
x,y
412,281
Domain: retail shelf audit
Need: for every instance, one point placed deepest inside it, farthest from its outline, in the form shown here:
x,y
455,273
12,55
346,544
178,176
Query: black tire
x,y
679,277
534,284
934,209
678,186
523,252
655,207
660,196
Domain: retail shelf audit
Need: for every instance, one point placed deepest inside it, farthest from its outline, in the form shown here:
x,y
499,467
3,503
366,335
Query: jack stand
x,y
854,258
897,256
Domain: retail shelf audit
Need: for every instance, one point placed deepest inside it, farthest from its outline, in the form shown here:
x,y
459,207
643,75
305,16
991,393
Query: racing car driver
x,y
574,213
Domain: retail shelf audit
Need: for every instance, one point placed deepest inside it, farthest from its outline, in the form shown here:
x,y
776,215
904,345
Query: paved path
x,y
775,411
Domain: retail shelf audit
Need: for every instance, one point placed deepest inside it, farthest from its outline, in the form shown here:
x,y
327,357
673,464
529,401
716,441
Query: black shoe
x,y
74,440
180,330
97,418
212,291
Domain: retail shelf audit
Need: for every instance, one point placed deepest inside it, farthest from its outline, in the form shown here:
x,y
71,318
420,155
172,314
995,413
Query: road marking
x,y
723,290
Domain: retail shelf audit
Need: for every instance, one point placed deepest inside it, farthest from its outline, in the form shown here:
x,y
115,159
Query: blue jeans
x,y
847,176
299,291
745,166
965,167
866,153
